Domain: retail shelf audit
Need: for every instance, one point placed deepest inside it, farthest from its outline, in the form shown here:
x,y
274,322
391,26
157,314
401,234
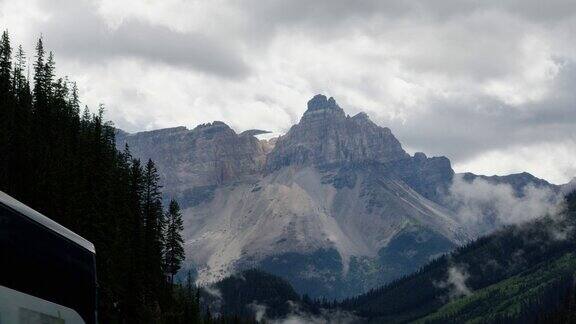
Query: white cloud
x,y
456,282
298,316
553,161
483,206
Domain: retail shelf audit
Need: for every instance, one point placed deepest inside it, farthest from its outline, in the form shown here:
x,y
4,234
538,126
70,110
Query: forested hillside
x,y
517,274
243,293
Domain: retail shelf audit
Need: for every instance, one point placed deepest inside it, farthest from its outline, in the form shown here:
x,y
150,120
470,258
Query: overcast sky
x,y
489,84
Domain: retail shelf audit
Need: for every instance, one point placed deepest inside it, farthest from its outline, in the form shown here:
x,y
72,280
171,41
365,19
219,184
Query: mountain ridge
x,y
336,196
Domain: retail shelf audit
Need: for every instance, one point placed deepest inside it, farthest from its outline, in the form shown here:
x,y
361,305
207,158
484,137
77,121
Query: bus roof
x,y
45,221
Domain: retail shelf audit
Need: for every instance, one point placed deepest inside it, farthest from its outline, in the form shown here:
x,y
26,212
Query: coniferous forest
x,y
61,160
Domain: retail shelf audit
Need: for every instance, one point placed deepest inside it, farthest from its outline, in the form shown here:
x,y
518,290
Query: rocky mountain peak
x,y
320,102
216,128
321,109
420,156
326,136
361,116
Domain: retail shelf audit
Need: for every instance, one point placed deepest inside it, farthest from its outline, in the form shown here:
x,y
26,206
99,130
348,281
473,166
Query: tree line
x,y
63,162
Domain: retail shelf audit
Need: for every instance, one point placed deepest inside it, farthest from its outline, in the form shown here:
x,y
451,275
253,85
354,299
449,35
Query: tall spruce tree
x,y
48,75
20,157
39,80
5,62
153,240
173,241
6,106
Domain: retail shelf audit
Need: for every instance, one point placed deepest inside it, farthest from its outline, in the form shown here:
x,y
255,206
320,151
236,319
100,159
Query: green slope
x,y
516,273
513,298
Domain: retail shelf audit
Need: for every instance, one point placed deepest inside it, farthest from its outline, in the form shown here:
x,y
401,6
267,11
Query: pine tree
x,y
75,99
19,159
39,79
191,300
48,75
6,107
5,63
137,275
174,244
20,85
153,229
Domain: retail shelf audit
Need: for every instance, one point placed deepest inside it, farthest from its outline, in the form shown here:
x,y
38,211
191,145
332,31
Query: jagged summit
x,y
420,156
361,116
320,102
215,123
320,108
326,136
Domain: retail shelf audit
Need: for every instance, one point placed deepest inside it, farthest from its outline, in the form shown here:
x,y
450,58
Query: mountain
x,y
192,162
523,273
336,198
326,136
519,274
568,187
518,181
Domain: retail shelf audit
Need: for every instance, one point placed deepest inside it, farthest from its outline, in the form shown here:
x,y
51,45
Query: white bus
x,y
47,272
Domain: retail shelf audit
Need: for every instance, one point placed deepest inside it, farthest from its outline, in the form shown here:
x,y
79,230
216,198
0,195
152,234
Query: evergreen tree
x,y
174,244
153,228
6,106
75,99
191,299
20,157
5,63
39,85
20,85
48,75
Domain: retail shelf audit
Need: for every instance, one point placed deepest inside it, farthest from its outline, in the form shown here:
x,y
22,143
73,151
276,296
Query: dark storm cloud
x,y
326,14
75,30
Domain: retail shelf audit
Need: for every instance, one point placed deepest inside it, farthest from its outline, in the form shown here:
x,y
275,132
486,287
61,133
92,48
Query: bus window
x,y
42,267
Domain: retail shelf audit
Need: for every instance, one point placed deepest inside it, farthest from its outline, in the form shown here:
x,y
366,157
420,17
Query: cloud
x,y
483,206
475,81
339,317
214,298
213,292
298,316
456,282
259,310
553,161
75,31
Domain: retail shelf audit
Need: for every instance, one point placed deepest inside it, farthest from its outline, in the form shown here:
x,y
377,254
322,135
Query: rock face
x,y
326,136
299,211
209,155
335,206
